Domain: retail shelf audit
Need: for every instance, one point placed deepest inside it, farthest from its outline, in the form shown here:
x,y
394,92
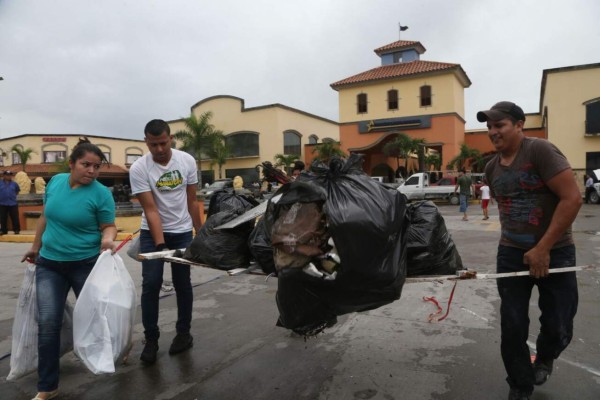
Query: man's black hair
x,y
157,127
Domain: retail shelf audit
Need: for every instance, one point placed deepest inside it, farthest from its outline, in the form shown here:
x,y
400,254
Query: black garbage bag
x,y
228,199
298,232
430,249
221,248
367,223
307,305
260,247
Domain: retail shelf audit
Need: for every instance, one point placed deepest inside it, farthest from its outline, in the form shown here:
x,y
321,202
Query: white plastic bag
x,y
24,351
104,315
133,250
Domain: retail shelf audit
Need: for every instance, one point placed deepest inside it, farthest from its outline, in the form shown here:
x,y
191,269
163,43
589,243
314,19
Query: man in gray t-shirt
x,y
538,200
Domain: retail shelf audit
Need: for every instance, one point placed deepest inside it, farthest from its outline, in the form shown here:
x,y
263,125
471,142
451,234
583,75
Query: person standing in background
x,y
485,199
589,187
466,187
8,203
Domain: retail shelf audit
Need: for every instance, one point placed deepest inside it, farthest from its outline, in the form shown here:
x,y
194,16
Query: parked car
x,y
219,184
216,185
595,195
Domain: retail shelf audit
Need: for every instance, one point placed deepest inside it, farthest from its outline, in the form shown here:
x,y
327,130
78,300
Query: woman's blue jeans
x,y
152,279
53,281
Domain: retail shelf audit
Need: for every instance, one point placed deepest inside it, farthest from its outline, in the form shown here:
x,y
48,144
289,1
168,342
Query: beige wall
x,y
118,148
565,93
230,116
447,97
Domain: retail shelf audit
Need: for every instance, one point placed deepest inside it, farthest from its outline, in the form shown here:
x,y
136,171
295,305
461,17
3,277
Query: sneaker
x,y
518,394
542,370
166,288
149,353
46,395
181,342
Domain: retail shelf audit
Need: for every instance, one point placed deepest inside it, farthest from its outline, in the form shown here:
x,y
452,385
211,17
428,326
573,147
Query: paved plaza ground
x,y
385,354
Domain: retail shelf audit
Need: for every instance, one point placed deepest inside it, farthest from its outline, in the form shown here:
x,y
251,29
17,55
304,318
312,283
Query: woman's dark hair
x,y
85,146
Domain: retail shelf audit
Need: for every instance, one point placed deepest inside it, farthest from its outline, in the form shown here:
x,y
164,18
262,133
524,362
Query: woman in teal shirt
x,y
77,223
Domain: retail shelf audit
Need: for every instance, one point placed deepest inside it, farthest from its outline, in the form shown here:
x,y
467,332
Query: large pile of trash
x,y
338,241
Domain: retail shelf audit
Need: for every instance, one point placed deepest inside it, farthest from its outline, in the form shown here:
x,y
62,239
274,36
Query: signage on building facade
x,y
54,139
390,124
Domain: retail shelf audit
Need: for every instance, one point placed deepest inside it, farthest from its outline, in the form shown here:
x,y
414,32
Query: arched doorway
x,y
385,171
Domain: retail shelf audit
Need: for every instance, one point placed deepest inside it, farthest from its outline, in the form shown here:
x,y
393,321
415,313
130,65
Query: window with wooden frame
x,y
592,117
392,99
425,96
361,103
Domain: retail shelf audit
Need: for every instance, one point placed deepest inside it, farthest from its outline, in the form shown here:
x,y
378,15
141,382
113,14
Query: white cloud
x,y
106,68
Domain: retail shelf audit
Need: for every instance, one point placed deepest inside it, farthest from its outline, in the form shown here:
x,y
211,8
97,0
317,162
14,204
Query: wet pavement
x,y
385,354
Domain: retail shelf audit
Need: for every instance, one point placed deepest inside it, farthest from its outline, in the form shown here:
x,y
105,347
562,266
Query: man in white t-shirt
x,y
485,199
165,182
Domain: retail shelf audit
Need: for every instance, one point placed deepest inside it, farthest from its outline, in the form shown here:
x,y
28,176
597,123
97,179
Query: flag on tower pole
x,y
402,29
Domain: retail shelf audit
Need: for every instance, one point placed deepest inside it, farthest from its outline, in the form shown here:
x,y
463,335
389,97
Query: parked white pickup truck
x,y
595,195
417,187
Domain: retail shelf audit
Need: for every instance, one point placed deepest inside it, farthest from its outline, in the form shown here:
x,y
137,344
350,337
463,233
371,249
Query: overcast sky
x,y
107,67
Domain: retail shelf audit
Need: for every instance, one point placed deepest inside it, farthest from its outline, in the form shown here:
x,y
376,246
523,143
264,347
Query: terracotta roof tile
x,y
400,45
398,71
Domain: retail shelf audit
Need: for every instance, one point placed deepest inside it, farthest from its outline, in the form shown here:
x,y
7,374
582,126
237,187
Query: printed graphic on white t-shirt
x,y
169,181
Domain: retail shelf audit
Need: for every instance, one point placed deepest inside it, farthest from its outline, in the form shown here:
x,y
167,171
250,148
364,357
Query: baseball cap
x,y
501,110
8,173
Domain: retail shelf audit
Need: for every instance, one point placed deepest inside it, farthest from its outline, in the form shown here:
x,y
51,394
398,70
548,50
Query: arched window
x,y
313,139
292,143
132,154
243,144
54,152
106,151
361,103
425,96
392,99
328,140
16,158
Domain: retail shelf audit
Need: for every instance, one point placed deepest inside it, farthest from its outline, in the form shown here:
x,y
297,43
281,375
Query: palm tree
x,y
61,166
285,160
434,160
198,137
24,154
466,154
326,150
402,147
219,153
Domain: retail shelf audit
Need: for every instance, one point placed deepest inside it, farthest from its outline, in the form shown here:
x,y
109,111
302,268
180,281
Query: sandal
x,y
50,395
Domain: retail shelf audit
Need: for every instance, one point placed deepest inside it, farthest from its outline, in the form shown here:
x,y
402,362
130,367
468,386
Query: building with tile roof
x,y
423,99
568,116
50,152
